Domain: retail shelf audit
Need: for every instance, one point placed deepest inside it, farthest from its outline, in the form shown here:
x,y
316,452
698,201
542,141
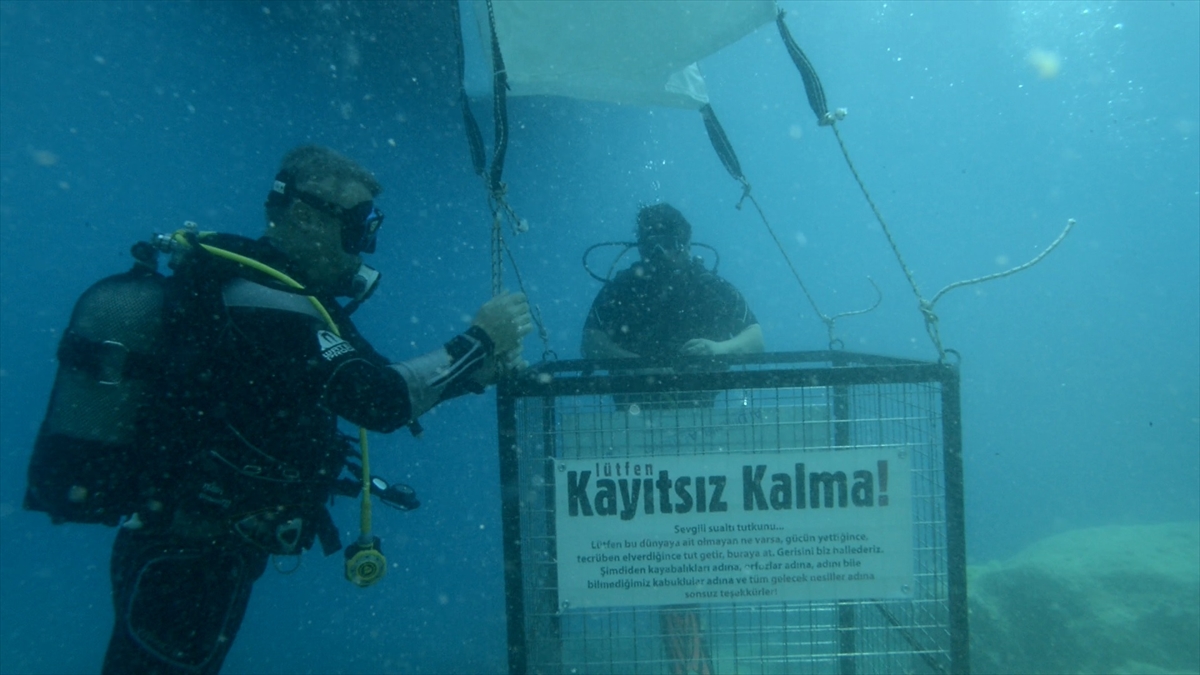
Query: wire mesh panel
x,y
781,513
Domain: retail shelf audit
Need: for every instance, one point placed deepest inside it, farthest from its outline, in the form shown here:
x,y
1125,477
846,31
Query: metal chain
x,y
500,248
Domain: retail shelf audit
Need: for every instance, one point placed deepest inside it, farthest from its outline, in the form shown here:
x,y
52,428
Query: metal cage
x,y
602,580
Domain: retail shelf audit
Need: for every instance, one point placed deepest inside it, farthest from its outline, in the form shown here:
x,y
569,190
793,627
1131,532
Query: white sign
x,y
734,527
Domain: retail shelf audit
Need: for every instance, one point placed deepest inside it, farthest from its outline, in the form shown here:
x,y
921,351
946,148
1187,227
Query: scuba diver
x,y
668,304
200,410
665,306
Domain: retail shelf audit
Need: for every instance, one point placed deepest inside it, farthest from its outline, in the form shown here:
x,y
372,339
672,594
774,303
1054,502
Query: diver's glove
x,y
506,320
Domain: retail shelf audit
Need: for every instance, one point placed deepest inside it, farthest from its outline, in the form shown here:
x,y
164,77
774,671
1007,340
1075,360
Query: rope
x,y
932,323
1019,268
501,210
816,100
493,177
912,281
725,152
829,321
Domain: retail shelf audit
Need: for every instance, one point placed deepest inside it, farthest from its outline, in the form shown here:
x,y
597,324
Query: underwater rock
x,y
1100,600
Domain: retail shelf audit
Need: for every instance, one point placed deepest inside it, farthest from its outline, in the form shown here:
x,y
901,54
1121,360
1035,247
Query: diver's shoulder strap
x,y
241,292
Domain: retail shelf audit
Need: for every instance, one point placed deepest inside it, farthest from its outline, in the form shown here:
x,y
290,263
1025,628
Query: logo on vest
x,y
332,346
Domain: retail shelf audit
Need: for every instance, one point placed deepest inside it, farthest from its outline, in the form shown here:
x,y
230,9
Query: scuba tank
x,y
87,461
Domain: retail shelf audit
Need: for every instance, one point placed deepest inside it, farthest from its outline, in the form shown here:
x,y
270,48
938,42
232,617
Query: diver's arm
x,y
366,390
446,372
597,345
749,341
468,363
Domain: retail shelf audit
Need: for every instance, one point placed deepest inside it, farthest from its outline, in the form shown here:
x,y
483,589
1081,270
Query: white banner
x,y
734,527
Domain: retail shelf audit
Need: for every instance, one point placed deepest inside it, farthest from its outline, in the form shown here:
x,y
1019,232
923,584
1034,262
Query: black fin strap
x,y
812,83
720,143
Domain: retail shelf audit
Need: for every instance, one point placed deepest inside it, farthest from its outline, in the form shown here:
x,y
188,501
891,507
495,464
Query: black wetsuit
x,y
653,314
244,431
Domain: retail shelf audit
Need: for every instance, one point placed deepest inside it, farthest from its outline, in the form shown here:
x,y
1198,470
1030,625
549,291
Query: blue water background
x,y
1081,377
